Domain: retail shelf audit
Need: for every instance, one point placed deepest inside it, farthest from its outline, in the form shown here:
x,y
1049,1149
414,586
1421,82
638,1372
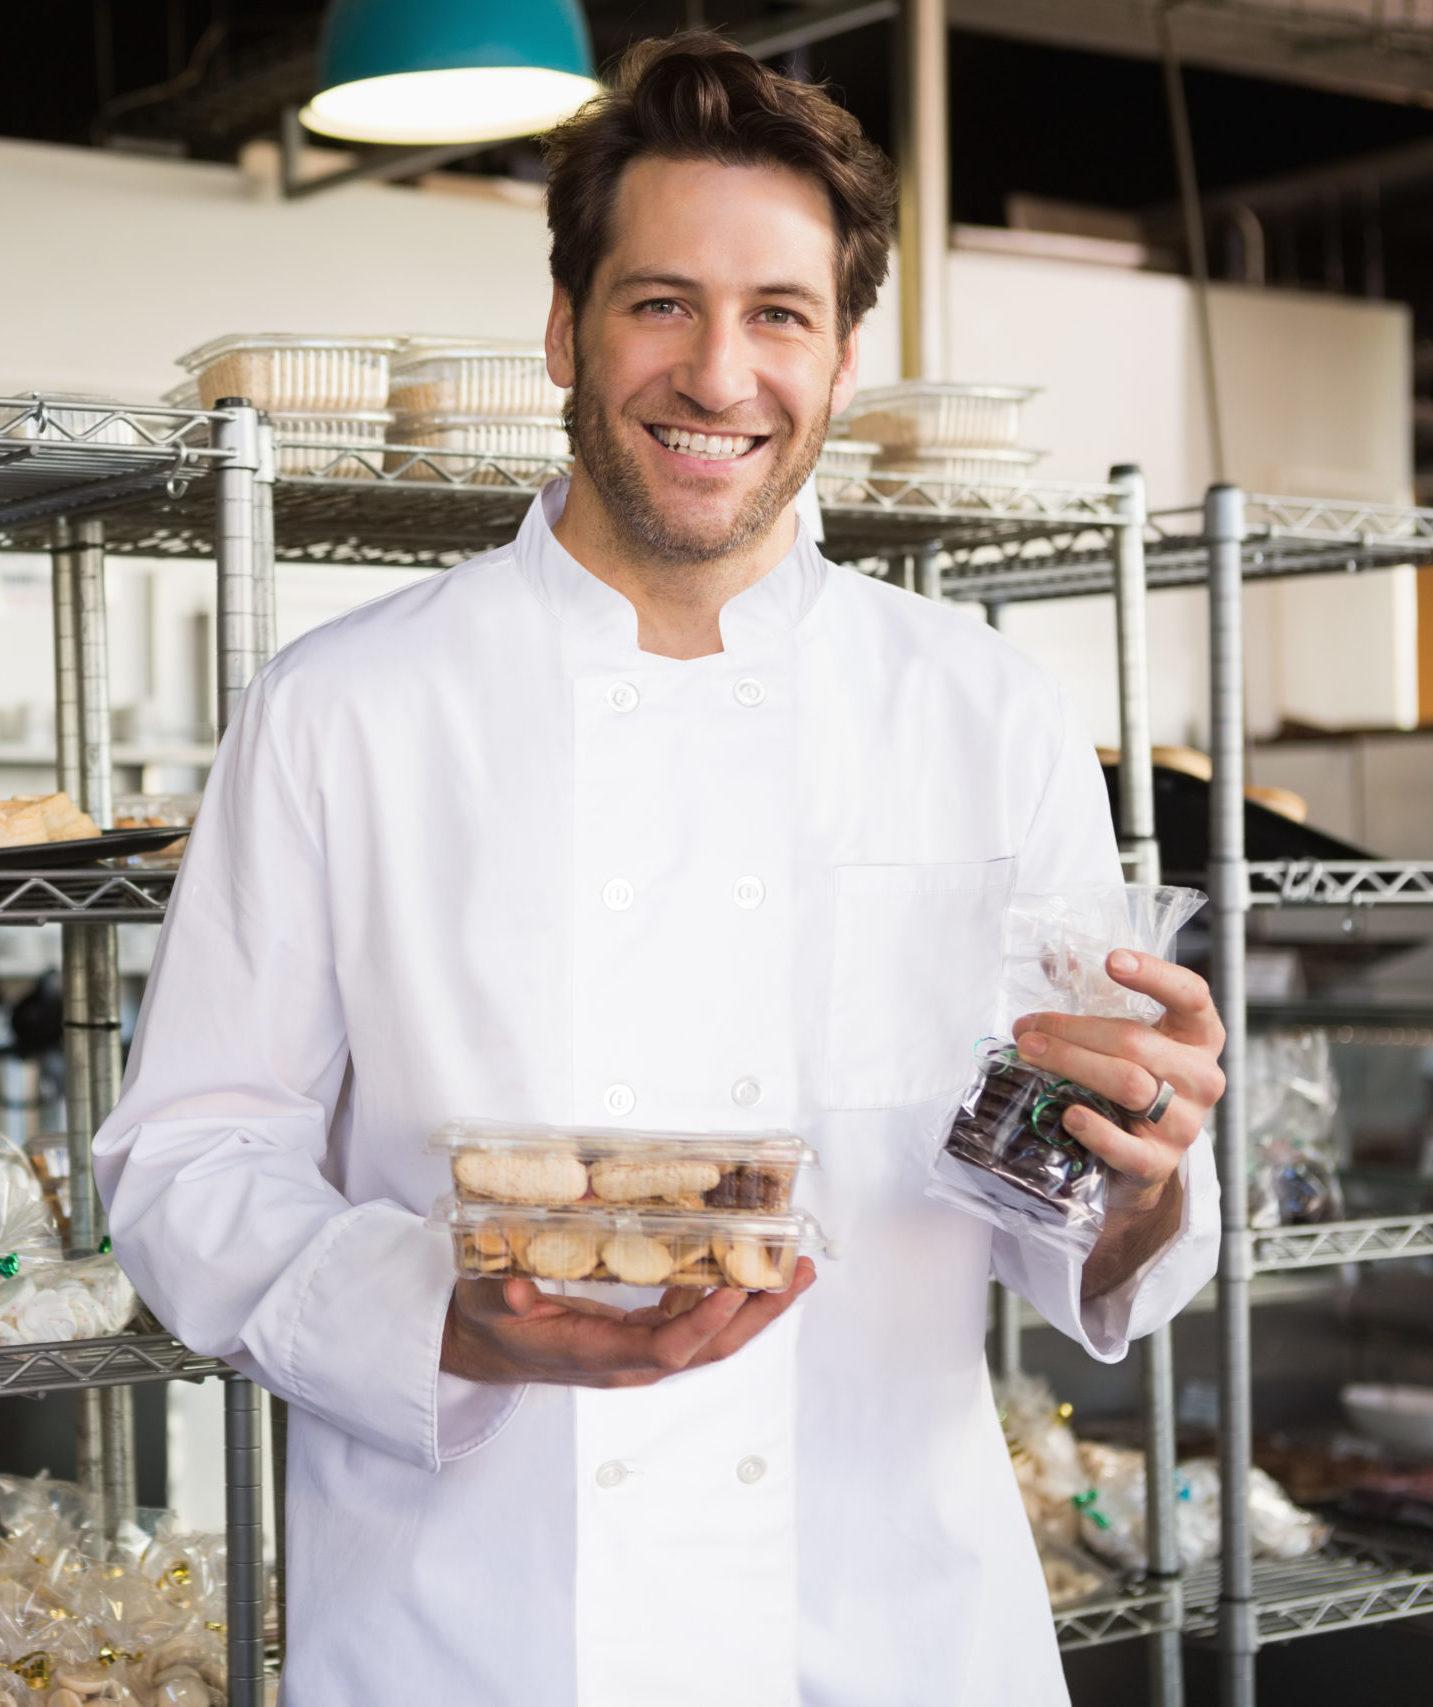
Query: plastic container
x,y
154,811
943,474
307,443
919,414
842,469
556,1166
528,449
1401,1418
431,377
293,371
631,1247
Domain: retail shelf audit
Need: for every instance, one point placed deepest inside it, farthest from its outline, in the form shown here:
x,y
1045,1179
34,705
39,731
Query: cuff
x,y
358,1337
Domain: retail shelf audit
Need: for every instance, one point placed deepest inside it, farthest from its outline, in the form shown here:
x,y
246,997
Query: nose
x,y
716,372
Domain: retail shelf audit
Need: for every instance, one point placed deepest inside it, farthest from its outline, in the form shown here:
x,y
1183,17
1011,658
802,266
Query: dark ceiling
x,y
200,78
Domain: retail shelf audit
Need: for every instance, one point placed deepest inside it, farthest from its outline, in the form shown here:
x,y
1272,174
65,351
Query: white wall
x,y
145,259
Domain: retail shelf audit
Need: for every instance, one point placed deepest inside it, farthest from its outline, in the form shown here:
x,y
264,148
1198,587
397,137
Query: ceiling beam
x,y
1352,51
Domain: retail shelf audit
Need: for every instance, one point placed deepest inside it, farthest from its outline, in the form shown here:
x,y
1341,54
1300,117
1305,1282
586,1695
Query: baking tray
x,y
48,856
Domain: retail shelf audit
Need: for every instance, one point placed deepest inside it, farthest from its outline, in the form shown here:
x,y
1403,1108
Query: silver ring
x,y
1160,1106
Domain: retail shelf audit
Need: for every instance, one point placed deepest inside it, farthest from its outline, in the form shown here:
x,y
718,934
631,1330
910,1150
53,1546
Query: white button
x,y
751,1470
622,696
749,691
618,894
613,1473
749,891
745,1092
620,1099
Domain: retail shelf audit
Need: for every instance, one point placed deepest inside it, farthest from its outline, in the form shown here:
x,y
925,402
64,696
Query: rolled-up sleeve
x,y
1071,844
212,1166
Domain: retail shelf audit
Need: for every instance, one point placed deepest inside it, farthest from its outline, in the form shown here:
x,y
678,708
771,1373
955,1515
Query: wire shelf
x,y
1137,1608
61,457
1343,1241
1341,883
1355,1580
29,1371
108,897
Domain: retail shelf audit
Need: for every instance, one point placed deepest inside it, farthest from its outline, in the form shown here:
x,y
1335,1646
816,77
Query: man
x,y
654,819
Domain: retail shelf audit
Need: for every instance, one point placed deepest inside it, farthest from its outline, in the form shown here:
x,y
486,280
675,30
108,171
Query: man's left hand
x,y
1125,1061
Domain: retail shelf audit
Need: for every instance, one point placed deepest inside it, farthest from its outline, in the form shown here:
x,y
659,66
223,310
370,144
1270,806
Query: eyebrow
x,y
680,281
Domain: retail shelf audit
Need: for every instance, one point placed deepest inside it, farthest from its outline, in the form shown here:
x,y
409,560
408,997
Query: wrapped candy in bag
x,y
1005,1156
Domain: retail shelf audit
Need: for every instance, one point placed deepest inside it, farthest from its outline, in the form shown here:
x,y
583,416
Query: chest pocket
x,y
914,959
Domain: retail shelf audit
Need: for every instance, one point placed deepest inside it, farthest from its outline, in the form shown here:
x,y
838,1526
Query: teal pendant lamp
x,y
434,71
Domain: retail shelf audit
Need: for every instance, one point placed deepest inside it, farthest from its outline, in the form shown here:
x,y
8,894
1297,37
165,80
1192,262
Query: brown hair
x,y
695,96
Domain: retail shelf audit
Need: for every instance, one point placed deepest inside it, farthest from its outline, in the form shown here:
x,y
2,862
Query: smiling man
x,y
651,819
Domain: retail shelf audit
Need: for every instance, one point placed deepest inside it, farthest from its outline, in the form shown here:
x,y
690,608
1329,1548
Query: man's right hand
x,y
510,1332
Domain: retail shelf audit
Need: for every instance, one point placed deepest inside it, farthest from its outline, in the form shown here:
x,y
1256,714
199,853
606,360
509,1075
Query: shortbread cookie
x,y
636,1259
562,1253
747,1264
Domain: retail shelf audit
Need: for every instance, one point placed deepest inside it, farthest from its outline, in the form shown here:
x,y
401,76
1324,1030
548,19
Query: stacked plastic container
x,y
489,409
935,437
661,1209
323,394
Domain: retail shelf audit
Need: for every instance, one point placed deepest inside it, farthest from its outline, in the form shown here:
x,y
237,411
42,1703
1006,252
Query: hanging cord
x,y
1193,226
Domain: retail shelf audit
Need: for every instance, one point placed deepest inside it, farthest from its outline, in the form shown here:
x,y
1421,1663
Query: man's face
x,y
706,362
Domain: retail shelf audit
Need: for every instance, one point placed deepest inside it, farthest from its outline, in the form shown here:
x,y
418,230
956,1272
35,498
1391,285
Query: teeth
x,y
713,446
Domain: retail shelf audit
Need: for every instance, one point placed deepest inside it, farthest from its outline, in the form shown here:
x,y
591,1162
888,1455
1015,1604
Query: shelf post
x,y
1229,894
244,1541
236,550
1137,839
265,597
79,1106
243,546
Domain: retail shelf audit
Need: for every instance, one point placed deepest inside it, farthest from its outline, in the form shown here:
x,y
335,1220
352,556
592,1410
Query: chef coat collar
x,y
577,597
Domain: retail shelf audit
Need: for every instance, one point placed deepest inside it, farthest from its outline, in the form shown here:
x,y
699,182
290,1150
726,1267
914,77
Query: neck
x,y
678,605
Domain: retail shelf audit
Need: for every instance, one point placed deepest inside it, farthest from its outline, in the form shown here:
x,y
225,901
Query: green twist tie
x,y
105,1246
10,1264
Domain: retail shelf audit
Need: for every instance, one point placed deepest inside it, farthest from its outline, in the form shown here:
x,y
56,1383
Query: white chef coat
x,y
467,850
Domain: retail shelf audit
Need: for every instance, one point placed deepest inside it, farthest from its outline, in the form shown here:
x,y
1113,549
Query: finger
x,y
1189,1011
758,1313
527,1300
1191,1068
1148,1158
1122,1081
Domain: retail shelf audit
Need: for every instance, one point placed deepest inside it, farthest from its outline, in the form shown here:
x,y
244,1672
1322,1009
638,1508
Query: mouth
x,y
707,447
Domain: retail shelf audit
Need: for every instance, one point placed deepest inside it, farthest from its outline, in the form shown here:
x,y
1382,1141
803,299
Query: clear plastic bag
x,y
1005,1155
1292,1102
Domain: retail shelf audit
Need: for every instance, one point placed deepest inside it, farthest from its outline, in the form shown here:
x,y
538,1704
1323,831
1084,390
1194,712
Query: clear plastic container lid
x,y
257,343
415,351
602,1143
633,1247
426,422
931,390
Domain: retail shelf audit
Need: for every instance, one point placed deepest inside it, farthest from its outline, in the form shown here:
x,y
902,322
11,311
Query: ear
x,y
561,331
843,387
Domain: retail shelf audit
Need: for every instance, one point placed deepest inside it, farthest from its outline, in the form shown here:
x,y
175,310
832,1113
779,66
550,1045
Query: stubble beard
x,y
636,518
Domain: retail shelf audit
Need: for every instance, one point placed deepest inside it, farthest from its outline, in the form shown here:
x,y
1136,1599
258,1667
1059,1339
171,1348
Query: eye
x,y
787,316
659,307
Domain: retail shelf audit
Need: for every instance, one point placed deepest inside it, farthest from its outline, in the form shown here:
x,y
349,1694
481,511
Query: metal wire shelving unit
x,y
66,467
203,485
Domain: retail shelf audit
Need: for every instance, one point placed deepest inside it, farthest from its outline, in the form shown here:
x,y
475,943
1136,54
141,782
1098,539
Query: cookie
x,y
548,1177
638,1260
652,1182
747,1264
562,1253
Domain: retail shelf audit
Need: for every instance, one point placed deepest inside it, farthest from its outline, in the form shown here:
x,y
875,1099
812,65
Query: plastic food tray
x,y
472,379
306,443
155,811
944,474
527,447
556,1167
632,1247
918,414
842,470
293,372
